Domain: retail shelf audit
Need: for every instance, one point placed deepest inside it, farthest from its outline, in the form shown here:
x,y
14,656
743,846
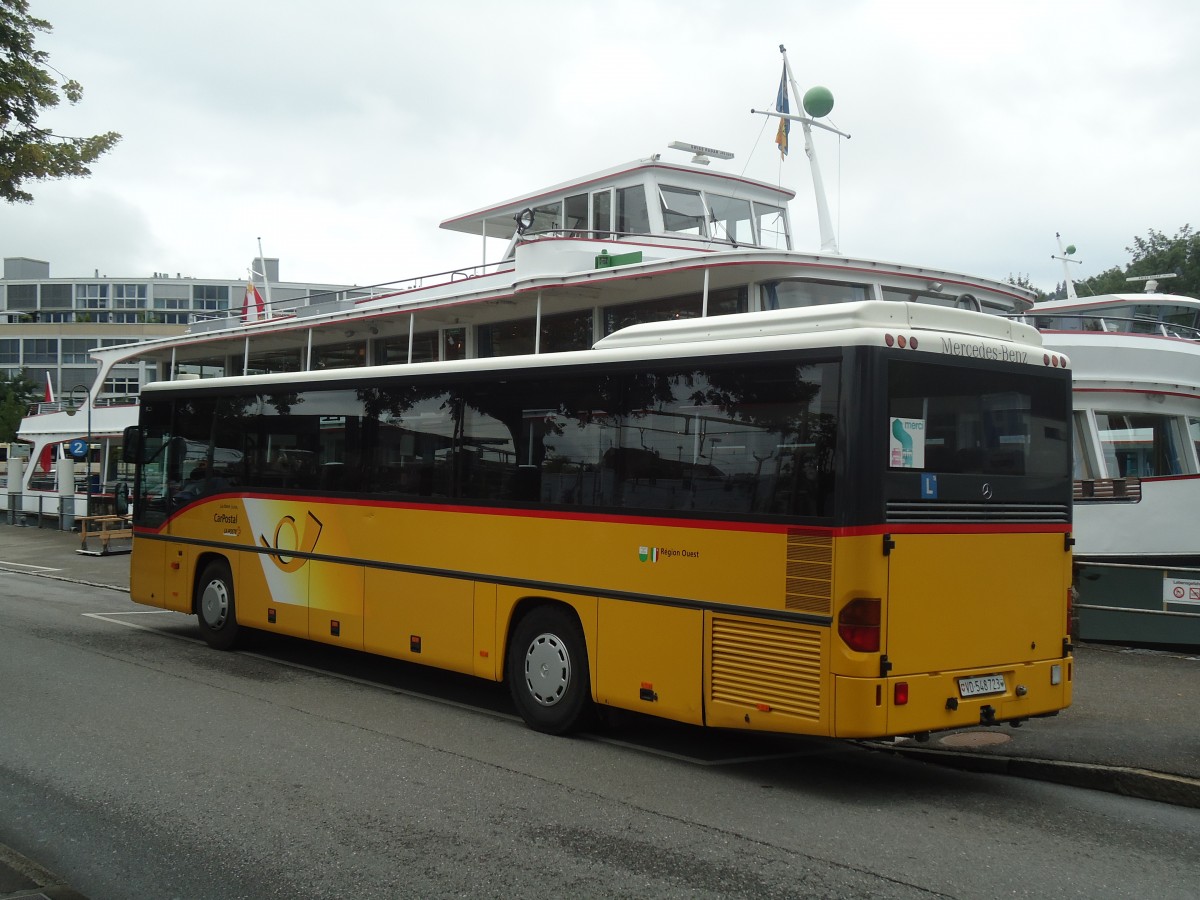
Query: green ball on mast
x,y
818,101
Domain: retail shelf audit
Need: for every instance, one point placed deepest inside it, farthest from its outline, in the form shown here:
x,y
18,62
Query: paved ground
x,y
1133,728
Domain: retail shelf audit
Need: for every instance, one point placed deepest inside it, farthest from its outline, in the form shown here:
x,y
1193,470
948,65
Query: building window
x,y
56,296
41,351
22,296
210,296
75,351
10,352
91,296
129,296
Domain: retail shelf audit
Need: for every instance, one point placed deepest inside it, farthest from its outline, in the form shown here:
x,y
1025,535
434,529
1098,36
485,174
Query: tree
x,y
27,152
1155,254
16,395
1022,280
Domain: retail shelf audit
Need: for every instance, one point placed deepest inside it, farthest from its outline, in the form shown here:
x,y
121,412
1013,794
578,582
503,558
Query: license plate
x,y
981,685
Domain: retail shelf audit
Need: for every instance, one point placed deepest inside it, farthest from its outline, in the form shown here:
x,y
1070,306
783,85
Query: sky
x,y
342,134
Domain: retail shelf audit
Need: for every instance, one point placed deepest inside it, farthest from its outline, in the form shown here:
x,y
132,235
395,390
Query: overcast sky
x,y
342,134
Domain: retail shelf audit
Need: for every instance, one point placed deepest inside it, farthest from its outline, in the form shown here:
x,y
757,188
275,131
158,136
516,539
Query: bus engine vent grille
x,y
906,511
767,663
809,572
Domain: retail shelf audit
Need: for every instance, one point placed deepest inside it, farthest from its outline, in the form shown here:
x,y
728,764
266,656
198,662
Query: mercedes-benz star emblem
x,y
987,491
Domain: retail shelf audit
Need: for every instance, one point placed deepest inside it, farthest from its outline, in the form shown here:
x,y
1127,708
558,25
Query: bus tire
x,y
548,670
216,611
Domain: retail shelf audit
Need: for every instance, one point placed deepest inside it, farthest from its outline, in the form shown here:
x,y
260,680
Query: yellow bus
x,y
848,520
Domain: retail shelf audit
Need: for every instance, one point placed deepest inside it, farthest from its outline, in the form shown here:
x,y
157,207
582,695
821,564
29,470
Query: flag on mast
x,y
252,304
46,460
782,106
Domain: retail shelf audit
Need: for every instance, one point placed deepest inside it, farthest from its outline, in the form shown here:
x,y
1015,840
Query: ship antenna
x,y
817,102
1066,252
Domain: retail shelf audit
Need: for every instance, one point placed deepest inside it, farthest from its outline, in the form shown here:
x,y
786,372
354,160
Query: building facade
x,y
49,325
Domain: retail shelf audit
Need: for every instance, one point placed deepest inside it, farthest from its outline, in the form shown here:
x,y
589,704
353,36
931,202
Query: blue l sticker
x,y
928,486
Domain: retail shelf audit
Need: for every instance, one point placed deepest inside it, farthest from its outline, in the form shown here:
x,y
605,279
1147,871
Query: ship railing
x,y
45,407
622,236
1119,490
333,301
1110,324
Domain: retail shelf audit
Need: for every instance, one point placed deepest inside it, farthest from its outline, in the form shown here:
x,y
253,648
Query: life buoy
x,y
524,220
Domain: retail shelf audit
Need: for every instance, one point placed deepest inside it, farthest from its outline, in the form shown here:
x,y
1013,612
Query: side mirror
x,y
131,445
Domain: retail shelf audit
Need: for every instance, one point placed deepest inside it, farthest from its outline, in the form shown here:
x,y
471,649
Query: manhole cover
x,y
971,739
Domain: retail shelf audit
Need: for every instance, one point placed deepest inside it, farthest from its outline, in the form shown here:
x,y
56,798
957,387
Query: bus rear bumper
x,y
915,704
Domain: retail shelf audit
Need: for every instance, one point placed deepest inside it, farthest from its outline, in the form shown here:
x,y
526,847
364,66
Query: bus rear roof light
x,y
912,343
858,624
889,340
902,342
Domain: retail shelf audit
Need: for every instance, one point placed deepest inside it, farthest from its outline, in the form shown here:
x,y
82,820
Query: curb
x,y
22,877
1143,784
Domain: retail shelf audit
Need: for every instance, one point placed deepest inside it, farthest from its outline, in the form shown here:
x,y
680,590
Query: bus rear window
x,y
956,419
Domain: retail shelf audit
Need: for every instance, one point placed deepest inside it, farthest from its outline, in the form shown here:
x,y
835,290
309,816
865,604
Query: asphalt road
x,y
136,762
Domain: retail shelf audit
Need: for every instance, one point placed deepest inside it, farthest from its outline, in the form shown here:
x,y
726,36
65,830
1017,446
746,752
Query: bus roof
x,y
869,322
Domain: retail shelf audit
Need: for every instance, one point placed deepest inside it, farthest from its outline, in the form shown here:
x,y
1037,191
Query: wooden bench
x,y
106,529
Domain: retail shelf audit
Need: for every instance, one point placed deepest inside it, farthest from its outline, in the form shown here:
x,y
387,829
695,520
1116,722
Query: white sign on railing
x,y
1181,590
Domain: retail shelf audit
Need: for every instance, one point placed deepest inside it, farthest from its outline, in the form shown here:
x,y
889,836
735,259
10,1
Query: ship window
x,y
1139,445
772,227
683,211
633,216
601,213
800,292
577,215
731,219
547,217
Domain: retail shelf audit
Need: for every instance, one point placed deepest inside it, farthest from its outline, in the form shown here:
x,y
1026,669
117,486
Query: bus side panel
x,y
335,604
488,658
766,675
147,571
961,601
275,585
649,659
420,618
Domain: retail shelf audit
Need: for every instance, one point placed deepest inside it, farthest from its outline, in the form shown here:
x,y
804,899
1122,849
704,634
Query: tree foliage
x,y
16,395
1022,280
1155,254
27,87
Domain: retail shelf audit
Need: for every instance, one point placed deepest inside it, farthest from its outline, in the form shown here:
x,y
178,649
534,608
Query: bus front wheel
x,y
548,670
215,608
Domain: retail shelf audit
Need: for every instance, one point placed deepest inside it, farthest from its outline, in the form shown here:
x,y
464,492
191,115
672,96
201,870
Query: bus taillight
x,y
858,624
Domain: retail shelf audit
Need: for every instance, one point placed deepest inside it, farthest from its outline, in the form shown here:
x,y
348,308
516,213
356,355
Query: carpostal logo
x,y
647,554
292,538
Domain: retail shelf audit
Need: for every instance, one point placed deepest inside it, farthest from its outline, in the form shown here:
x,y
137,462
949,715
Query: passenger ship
x,y
1136,364
651,240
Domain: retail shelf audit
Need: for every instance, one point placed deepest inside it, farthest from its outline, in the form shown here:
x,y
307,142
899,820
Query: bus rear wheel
x,y
215,608
548,671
